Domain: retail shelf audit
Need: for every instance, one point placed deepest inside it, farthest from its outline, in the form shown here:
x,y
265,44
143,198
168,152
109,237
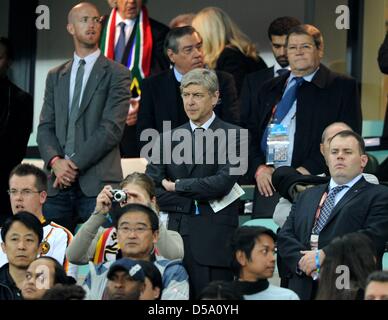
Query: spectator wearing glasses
x,y
137,228
28,192
303,102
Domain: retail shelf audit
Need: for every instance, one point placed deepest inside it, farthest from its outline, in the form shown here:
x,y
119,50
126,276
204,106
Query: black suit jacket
x,y
161,101
363,208
209,232
233,61
328,98
250,91
16,112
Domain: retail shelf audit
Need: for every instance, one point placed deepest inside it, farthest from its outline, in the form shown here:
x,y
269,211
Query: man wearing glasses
x,y
137,228
82,122
28,192
294,109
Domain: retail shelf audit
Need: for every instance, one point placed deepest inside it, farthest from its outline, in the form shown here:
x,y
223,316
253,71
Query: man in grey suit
x,y
82,121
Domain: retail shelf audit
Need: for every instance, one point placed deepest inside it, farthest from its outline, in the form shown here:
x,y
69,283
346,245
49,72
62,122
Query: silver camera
x,y
119,195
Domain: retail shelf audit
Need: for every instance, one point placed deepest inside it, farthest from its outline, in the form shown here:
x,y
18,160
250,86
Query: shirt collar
x,y
91,58
206,125
178,75
350,184
277,67
308,78
128,22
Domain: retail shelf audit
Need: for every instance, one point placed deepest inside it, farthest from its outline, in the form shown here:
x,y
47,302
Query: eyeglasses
x,y
136,230
23,192
305,47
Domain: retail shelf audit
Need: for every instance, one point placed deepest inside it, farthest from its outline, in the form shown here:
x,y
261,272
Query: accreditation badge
x,y
277,145
45,247
314,238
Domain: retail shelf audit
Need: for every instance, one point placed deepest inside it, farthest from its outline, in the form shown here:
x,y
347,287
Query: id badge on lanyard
x,y
314,239
277,145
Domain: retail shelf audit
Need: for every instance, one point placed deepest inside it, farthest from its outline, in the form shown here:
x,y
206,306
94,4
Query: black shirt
x,y
8,288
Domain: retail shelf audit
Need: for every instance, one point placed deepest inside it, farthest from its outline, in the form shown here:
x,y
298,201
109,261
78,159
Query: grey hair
x,y
201,77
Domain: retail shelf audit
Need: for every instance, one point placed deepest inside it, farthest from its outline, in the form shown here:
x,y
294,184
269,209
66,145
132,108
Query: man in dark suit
x,y
277,34
16,109
184,190
310,98
161,100
127,26
347,204
81,123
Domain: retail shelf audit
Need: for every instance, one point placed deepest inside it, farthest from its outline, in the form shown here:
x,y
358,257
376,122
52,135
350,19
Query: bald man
x,y
82,122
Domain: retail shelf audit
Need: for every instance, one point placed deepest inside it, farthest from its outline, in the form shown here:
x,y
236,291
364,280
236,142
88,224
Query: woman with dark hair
x,y
42,274
348,262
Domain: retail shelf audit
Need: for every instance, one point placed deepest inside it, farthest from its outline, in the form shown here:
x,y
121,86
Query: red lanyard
x,y
318,212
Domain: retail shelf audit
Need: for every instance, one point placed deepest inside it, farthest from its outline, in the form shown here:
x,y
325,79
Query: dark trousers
x,y
264,207
69,207
201,275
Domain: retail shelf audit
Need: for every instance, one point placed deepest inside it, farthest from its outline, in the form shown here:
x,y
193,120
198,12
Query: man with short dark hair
x,y
161,100
137,232
126,280
377,286
253,262
21,235
347,204
28,192
277,34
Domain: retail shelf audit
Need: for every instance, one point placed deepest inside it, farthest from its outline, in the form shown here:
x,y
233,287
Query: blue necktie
x,y
282,108
120,45
327,209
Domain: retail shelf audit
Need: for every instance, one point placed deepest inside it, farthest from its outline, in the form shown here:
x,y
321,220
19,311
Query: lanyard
x,y
318,212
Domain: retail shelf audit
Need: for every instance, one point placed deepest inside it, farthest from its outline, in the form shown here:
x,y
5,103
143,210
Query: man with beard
x,y
82,122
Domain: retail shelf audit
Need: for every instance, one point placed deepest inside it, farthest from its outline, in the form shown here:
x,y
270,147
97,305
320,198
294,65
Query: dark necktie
x,y
120,45
327,209
282,108
197,153
69,146
282,71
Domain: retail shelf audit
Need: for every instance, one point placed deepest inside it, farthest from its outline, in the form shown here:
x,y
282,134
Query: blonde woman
x,y
225,46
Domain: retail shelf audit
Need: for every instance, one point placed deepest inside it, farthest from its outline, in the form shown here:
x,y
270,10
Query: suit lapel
x,y
95,77
64,89
172,98
353,192
314,204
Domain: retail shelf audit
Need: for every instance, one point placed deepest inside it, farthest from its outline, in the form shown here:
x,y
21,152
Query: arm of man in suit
x,y
289,245
383,56
146,116
229,108
48,143
376,223
110,130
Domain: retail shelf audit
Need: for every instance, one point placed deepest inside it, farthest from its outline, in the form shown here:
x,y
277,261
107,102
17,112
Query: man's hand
x,y
104,200
132,112
65,172
307,262
264,180
168,185
303,171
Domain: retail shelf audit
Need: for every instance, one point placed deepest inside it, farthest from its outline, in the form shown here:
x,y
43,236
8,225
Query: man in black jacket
x,y
21,236
161,100
16,112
